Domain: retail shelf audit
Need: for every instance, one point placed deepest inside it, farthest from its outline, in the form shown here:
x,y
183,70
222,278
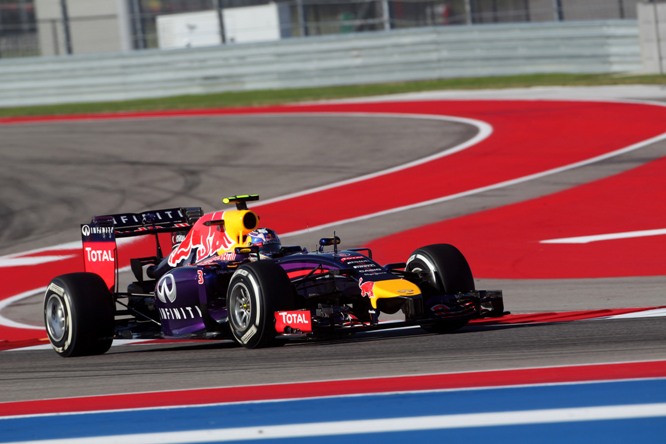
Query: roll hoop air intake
x,y
240,222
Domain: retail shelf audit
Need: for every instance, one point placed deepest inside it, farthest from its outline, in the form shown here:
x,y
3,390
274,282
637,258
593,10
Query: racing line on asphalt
x,y
528,139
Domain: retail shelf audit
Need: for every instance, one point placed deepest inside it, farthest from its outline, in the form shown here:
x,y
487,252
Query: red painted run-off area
x,y
506,242
548,375
528,137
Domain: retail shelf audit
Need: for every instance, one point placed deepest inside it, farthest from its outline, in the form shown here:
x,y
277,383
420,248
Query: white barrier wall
x,y
418,54
95,26
652,26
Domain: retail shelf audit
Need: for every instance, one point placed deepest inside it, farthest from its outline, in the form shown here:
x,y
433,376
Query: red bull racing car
x,y
225,277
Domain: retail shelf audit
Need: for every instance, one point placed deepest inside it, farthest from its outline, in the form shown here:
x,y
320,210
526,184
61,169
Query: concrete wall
x,y
95,26
652,29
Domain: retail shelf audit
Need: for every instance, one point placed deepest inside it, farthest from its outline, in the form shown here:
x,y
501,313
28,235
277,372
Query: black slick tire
x,y
441,269
256,291
79,315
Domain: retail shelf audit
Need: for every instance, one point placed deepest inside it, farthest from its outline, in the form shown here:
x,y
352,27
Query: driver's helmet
x,y
266,239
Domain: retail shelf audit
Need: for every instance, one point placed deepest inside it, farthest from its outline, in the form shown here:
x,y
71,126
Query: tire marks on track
x,y
528,138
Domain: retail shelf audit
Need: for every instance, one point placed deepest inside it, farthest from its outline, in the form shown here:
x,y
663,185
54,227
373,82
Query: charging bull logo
x,y
440,310
367,288
203,238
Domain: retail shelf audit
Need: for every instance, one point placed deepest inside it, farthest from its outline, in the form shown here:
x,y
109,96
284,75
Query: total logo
x,y
291,318
166,288
299,321
99,255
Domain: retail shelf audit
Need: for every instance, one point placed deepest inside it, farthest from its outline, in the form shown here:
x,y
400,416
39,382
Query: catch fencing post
x,y
65,26
300,10
386,15
558,12
220,19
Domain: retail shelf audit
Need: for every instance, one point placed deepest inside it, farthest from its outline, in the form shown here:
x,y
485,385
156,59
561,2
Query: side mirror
x,y
328,241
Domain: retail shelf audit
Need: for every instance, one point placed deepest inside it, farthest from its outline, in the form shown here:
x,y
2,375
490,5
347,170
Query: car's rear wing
x,y
99,236
149,222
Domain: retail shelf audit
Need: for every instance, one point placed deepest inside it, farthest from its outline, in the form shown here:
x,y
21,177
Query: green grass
x,y
272,97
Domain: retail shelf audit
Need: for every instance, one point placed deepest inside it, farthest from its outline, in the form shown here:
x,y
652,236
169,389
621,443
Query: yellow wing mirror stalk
x,y
240,200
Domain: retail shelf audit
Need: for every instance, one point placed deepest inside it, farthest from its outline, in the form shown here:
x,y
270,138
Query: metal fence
x,y
384,56
26,31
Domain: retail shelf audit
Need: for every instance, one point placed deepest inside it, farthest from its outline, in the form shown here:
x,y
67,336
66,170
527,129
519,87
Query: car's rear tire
x,y
256,291
79,315
441,269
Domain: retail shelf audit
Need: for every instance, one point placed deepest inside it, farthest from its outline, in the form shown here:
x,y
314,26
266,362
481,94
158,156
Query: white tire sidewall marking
x,y
248,334
257,301
238,286
428,264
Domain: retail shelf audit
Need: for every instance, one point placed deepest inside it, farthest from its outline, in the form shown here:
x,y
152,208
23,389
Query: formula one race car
x,y
227,278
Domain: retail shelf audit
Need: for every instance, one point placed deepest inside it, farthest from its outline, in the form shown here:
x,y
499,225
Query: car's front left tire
x,y
256,291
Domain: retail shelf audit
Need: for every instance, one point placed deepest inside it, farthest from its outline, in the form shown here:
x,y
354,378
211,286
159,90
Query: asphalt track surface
x,y
56,175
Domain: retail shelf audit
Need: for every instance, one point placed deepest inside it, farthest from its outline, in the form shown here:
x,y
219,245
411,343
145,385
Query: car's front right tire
x,y
441,269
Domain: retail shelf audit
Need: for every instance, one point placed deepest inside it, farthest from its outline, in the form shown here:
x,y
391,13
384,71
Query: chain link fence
x,y
60,27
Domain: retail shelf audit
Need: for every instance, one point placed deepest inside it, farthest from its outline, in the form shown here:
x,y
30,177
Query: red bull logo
x,y
203,238
440,310
367,288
